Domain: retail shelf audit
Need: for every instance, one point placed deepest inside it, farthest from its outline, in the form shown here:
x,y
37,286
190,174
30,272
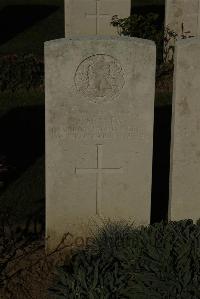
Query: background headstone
x,y
185,145
93,17
99,132
184,13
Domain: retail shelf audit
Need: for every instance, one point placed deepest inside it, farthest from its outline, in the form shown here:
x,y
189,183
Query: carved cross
x,y
99,171
97,16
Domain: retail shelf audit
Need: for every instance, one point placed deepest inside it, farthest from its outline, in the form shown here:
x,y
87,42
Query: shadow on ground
x,y
22,136
17,18
22,133
161,164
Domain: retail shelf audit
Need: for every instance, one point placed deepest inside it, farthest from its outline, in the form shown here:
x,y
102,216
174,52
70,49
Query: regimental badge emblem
x,y
99,77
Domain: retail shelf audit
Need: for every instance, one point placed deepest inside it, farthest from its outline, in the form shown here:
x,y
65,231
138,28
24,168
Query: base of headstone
x,y
80,233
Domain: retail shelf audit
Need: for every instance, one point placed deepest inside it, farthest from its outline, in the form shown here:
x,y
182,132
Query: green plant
x,y
170,37
169,265
146,27
96,271
159,261
142,27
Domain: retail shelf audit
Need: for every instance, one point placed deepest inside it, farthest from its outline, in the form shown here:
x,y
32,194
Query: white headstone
x,y
93,17
183,16
185,146
99,132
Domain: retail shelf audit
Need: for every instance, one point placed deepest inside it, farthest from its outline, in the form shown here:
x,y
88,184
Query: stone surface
x,y
93,17
99,132
185,147
186,12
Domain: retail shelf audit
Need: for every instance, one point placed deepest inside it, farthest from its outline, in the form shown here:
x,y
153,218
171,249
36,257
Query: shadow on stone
x,y
161,164
144,10
22,136
17,18
22,133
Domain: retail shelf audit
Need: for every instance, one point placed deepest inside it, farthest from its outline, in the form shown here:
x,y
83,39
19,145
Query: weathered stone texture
x,y
93,17
185,147
99,132
183,17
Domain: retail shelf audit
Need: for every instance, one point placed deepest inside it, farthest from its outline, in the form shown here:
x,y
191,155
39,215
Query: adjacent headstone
x,y
99,132
93,17
185,146
182,17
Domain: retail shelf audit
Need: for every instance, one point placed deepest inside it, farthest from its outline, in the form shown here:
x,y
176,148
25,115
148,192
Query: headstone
x,y
93,17
99,132
185,146
183,17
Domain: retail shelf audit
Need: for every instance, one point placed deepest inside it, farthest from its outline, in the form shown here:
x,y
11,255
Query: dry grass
x,y
29,274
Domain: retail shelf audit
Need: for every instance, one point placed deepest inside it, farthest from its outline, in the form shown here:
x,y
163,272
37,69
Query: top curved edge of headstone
x,y
187,41
101,38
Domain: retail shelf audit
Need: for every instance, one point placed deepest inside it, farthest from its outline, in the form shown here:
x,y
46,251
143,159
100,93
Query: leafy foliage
x,y
91,276
170,37
159,261
146,27
142,27
169,265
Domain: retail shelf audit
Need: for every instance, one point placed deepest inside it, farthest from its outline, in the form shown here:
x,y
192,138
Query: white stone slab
x,y
185,147
186,12
93,17
99,132
182,11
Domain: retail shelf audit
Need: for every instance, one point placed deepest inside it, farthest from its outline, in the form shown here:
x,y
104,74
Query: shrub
x,y
142,27
146,27
159,261
23,71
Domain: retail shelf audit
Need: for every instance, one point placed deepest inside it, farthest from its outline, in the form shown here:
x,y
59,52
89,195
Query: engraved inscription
x,y
99,77
108,134
85,126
